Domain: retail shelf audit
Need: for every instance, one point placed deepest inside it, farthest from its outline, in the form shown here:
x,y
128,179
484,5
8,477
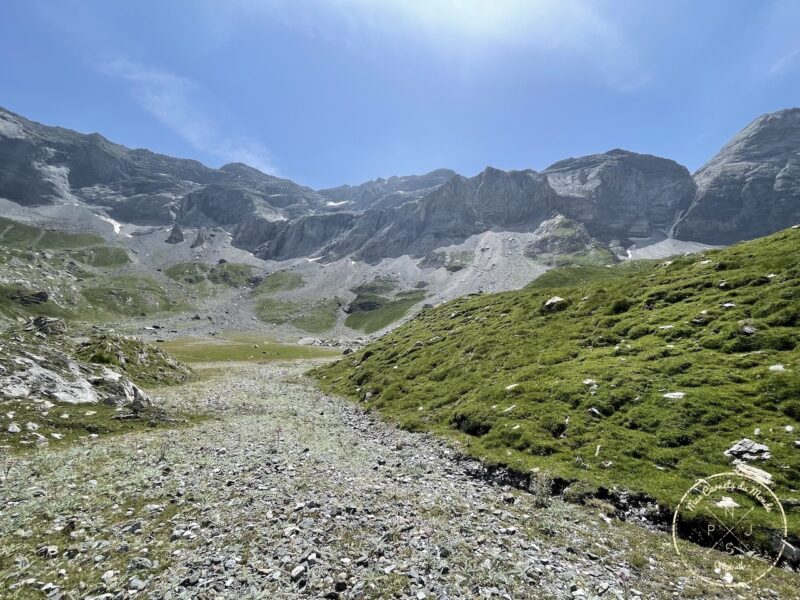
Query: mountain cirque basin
x,y
545,433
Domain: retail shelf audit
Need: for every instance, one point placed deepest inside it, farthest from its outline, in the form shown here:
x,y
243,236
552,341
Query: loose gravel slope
x,y
287,493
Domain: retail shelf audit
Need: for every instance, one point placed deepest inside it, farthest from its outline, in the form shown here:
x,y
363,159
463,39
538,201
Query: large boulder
x,y
747,449
176,235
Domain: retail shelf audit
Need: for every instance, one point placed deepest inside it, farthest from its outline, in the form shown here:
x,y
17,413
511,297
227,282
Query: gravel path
x,y
287,493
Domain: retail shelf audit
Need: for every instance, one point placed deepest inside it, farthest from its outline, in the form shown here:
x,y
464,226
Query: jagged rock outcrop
x,y
559,235
202,239
47,165
615,195
42,373
385,193
176,235
751,187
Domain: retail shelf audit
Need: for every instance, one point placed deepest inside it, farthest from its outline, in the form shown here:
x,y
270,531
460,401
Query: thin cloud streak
x,y
785,62
170,99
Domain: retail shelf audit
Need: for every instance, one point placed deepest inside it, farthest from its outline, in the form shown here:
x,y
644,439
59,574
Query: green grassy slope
x,y
18,235
280,281
589,392
378,304
241,347
227,274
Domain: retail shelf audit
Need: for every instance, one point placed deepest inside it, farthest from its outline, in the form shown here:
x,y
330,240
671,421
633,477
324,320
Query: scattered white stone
x,y
729,305
757,431
779,368
667,327
789,429
754,473
56,436
554,301
13,428
675,395
511,387
510,408
31,426
15,391
747,449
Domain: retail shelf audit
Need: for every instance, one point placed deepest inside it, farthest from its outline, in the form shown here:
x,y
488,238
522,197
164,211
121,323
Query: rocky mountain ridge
x,y
749,189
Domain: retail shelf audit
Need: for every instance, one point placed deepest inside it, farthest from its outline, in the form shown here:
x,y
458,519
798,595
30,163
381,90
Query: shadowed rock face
x,y
47,165
751,187
176,235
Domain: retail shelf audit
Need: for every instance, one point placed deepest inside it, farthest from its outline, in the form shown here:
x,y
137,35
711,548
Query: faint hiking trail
x,y
287,493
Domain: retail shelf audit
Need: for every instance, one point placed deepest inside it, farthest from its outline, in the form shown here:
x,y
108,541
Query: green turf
x,y
643,332
187,272
230,274
319,317
19,301
18,235
280,281
127,295
239,348
379,285
581,275
144,363
370,312
313,317
275,311
227,274
100,256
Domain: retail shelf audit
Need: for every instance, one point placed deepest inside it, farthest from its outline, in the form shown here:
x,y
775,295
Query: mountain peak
x,y
751,186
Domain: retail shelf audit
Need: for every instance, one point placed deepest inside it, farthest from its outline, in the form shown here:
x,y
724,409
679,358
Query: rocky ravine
x,y
286,493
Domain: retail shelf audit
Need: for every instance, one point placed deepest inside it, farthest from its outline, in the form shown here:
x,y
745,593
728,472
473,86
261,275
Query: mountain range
x,y
622,199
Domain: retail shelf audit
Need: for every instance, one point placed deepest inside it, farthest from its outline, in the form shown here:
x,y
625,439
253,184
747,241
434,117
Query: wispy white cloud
x,y
572,33
787,61
172,100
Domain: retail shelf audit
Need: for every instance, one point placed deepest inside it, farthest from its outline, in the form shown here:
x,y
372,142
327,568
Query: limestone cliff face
x,y
751,187
620,193
46,165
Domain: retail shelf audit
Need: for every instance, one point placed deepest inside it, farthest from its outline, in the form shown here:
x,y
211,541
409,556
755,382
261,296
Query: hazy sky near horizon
x,y
327,92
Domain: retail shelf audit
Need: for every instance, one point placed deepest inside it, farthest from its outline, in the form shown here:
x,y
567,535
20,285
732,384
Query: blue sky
x,y
341,91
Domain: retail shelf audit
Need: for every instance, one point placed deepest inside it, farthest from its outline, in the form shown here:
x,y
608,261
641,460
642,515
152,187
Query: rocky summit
x,y
748,189
751,187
